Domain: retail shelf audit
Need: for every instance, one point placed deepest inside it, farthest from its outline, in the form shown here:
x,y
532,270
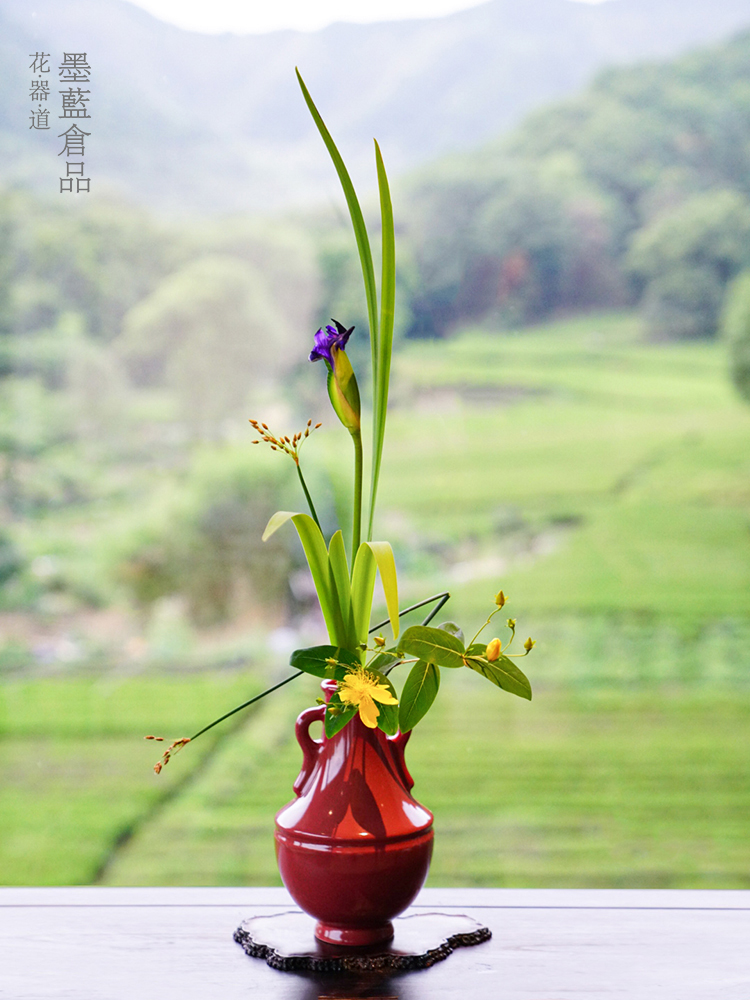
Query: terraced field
x,y
604,483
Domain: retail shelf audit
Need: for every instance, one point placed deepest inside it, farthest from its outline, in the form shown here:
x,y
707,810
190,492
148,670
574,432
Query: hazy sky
x,y
242,16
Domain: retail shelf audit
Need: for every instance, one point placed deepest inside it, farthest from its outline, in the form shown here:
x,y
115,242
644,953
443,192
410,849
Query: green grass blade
x,y
358,223
382,370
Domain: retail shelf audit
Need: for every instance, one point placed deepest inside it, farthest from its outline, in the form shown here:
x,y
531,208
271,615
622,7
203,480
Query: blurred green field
x,y
604,483
75,772
605,475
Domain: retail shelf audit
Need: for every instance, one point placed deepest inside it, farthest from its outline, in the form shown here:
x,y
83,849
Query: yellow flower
x,y
362,689
493,650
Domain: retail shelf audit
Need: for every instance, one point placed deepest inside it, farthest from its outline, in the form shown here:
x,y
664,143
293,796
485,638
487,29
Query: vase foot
x,y
353,937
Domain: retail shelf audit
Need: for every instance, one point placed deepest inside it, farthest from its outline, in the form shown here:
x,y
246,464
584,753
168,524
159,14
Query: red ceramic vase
x,y
353,847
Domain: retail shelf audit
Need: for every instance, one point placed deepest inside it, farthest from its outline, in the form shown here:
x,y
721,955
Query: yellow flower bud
x,y
511,623
529,644
493,650
379,641
500,598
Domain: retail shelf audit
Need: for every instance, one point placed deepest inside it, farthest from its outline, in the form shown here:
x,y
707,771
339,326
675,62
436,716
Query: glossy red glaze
x,y
353,847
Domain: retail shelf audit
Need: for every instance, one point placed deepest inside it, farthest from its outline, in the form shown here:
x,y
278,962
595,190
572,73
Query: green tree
x,y
202,538
211,332
684,259
736,329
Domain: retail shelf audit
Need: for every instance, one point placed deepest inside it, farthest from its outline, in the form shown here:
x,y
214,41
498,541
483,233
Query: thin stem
x,y
441,598
307,496
358,470
246,705
496,611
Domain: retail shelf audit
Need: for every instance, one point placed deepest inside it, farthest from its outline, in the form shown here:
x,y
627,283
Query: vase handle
x,y
398,742
310,747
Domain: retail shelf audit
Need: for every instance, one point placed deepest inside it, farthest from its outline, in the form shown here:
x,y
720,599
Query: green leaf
x,y
276,521
341,588
314,660
453,629
358,223
387,565
317,559
477,649
434,645
334,722
388,719
363,585
503,672
419,692
381,369
387,714
382,661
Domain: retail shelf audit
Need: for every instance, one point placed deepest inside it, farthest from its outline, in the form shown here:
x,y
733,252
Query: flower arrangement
x,y
345,582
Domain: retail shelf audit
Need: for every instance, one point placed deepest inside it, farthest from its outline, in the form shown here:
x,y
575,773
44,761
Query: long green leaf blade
x,y
381,372
275,522
358,223
363,586
341,587
419,692
387,566
317,559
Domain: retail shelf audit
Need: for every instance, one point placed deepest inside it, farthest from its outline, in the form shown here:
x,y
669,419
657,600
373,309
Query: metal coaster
x,y
287,943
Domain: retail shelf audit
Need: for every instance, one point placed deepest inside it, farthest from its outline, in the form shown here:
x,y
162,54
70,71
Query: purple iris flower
x,y
326,339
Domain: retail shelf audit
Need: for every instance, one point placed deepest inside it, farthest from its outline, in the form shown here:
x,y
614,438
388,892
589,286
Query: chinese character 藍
x,y
39,119
39,62
70,99
39,90
74,68
73,141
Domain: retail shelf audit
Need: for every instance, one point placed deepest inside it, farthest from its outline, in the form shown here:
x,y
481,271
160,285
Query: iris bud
x,y
343,390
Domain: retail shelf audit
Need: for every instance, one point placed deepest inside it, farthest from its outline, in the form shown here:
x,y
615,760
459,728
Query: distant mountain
x,y
203,123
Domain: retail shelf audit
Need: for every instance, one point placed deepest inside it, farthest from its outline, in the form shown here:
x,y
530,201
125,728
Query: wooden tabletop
x,y
557,944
